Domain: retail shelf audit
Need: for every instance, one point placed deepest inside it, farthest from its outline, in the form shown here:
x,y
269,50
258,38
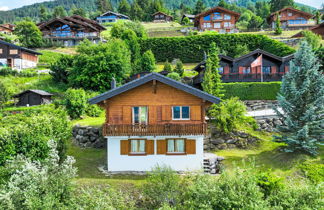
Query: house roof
x,y
39,92
225,57
158,77
114,13
293,9
216,9
299,34
4,27
189,16
159,12
20,48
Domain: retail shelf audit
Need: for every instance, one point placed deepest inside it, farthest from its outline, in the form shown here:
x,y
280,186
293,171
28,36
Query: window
x,y
227,17
180,113
227,24
140,115
137,146
13,52
207,17
266,69
217,25
217,16
221,70
207,25
246,70
1,51
175,145
289,14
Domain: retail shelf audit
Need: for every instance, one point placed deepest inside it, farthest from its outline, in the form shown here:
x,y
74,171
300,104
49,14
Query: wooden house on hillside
x,y
161,17
255,66
291,18
33,98
217,19
154,120
190,17
17,57
318,29
70,31
7,28
110,17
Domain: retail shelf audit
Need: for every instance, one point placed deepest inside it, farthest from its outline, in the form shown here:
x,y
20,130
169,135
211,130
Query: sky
x,y
11,4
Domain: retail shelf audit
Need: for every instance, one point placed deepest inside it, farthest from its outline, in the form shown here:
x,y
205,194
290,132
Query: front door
x,y
10,62
140,119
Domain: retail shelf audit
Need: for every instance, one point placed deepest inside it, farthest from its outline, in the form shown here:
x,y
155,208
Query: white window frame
x,y
13,52
180,113
227,24
139,111
219,24
138,142
290,14
1,51
227,17
176,152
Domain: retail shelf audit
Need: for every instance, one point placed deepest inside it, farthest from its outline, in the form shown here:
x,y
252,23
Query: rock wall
x,y
269,124
260,104
85,136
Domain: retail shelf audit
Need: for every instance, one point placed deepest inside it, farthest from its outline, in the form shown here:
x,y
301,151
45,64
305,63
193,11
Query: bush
x,y
313,171
190,49
252,90
230,114
269,183
37,185
93,110
24,73
75,102
179,68
314,40
4,94
148,62
120,27
174,75
167,67
61,67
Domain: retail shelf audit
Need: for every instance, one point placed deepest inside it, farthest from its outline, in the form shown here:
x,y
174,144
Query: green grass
x,y
186,66
285,34
48,57
91,121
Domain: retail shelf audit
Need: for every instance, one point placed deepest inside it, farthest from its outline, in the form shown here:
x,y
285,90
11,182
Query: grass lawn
x,y
91,121
285,34
186,66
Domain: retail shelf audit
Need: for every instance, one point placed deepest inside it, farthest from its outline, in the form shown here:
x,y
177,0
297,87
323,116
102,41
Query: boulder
x,y
222,146
231,141
217,141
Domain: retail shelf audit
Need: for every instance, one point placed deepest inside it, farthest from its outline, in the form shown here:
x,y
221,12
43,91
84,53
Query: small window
x,y
217,16
221,70
176,146
246,70
289,14
180,113
137,146
217,25
13,52
207,17
266,69
227,24
140,115
1,51
227,17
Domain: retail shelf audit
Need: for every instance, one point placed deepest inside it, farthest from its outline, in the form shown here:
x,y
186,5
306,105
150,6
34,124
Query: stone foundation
x,y
85,136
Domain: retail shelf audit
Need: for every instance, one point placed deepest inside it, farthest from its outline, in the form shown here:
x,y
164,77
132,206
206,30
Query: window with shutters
x,y
176,146
180,113
137,146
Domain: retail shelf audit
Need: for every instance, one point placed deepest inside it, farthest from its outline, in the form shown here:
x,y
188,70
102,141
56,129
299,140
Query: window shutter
x,y
195,112
190,146
166,113
161,147
124,147
127,115
159,113
150,147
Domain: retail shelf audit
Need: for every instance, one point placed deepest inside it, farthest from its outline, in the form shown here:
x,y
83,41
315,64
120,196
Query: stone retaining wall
x,y
269,124
260,104
86,136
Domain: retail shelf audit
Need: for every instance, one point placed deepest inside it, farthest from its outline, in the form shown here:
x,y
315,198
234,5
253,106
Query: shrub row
x,y
252,90
191,49
25,73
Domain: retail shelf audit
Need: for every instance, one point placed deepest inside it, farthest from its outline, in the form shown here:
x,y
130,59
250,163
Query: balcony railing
x,y
154,130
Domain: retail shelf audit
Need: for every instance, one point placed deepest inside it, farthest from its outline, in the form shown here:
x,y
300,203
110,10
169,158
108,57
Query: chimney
x,y
113,83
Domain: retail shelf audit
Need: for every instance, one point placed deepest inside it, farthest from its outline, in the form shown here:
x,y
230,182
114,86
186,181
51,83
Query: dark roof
x,y
159,12
189,16
20,48
225,57
39,92
300,34
216,9
150,77
114,13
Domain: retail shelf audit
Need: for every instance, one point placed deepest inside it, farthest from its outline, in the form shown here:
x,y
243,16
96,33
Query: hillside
x,y
90,7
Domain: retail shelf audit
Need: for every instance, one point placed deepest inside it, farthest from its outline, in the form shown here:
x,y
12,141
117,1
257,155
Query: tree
x,y
179,68
58,12
199,7
262,9
278,29
185,21
313,39
137,12
44,16
75,102
222,3
301,99
167,66
28,34
124,7
104,6
148,62
212,82
61,67
276,5
318,17
131,40
255,22
78,11
4,94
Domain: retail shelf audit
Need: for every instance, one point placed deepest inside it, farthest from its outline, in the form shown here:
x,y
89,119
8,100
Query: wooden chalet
x,y
240,70
318,29
17,57
154,120
161,17
190,17
110,17
291,18
217,19
71,30
33,98
7,28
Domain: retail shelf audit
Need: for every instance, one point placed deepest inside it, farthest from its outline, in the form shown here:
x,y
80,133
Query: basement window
x,y
137,146
176,146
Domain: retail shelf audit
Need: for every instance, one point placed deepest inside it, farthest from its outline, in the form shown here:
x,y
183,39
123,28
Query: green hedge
x,y
190,49
252,90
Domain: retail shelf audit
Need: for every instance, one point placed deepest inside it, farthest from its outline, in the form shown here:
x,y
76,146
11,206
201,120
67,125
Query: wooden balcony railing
x,y
154,130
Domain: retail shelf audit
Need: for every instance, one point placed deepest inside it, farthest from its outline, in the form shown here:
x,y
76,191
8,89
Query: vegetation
x,y
302,103
278,29
148,62
75,101
314,40
28,34
61,67
179,68
4,95
175,76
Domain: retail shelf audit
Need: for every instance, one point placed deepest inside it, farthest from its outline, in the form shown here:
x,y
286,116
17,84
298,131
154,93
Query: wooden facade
x,y
291,18
110,17
161,17
318,29
33,98
7,28
217,19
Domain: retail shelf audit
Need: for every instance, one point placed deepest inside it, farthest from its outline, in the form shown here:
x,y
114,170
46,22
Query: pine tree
x,y
278,29
124,7
58,12
148,62
179,68
212,82
301,100
136,11
167,66
200,7
44,16
222,3
276,5
318,17
104,5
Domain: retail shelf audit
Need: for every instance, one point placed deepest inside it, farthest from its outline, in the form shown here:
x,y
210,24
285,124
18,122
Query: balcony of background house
x,y
68,34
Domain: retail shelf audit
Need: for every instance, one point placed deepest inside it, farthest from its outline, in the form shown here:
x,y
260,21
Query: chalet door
x,y
10,62
140,119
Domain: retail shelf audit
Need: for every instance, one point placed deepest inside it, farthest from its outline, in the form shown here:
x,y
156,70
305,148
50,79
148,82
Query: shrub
x,y
179,68
24,73
61,67
252,90
148,62
314,40
93,110
269,183
313,171
230,114
75,102
185,21
120,27
37,185
167,67
190,49
4,94
174,75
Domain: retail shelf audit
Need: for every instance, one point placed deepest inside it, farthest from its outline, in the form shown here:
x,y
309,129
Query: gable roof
x,y
20,48
114,13
300,34
159,12
5,27
214,9
39,92
293,9
259,51
189,16
158,77
225,57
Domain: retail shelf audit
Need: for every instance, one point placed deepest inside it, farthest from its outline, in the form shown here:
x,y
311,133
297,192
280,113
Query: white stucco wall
x,y
118,162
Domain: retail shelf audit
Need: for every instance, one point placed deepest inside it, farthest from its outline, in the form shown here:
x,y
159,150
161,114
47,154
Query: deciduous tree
x,y
28,34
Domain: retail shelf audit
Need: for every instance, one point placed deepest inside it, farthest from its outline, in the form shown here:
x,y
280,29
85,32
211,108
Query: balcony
x,y
154,130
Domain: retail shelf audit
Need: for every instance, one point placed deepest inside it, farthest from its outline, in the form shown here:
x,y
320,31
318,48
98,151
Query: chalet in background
x,y
111,17
33,98
161,17
154,120
217,19
7,28
319,29
246,69
190,17
291,18
70,31
17,57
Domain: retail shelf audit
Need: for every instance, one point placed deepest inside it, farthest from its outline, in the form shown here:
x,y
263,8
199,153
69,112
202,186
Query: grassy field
x,y
285,34
91,121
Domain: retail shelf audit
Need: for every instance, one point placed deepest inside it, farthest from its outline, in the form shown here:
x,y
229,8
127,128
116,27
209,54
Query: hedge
x,y
190,49
252,90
